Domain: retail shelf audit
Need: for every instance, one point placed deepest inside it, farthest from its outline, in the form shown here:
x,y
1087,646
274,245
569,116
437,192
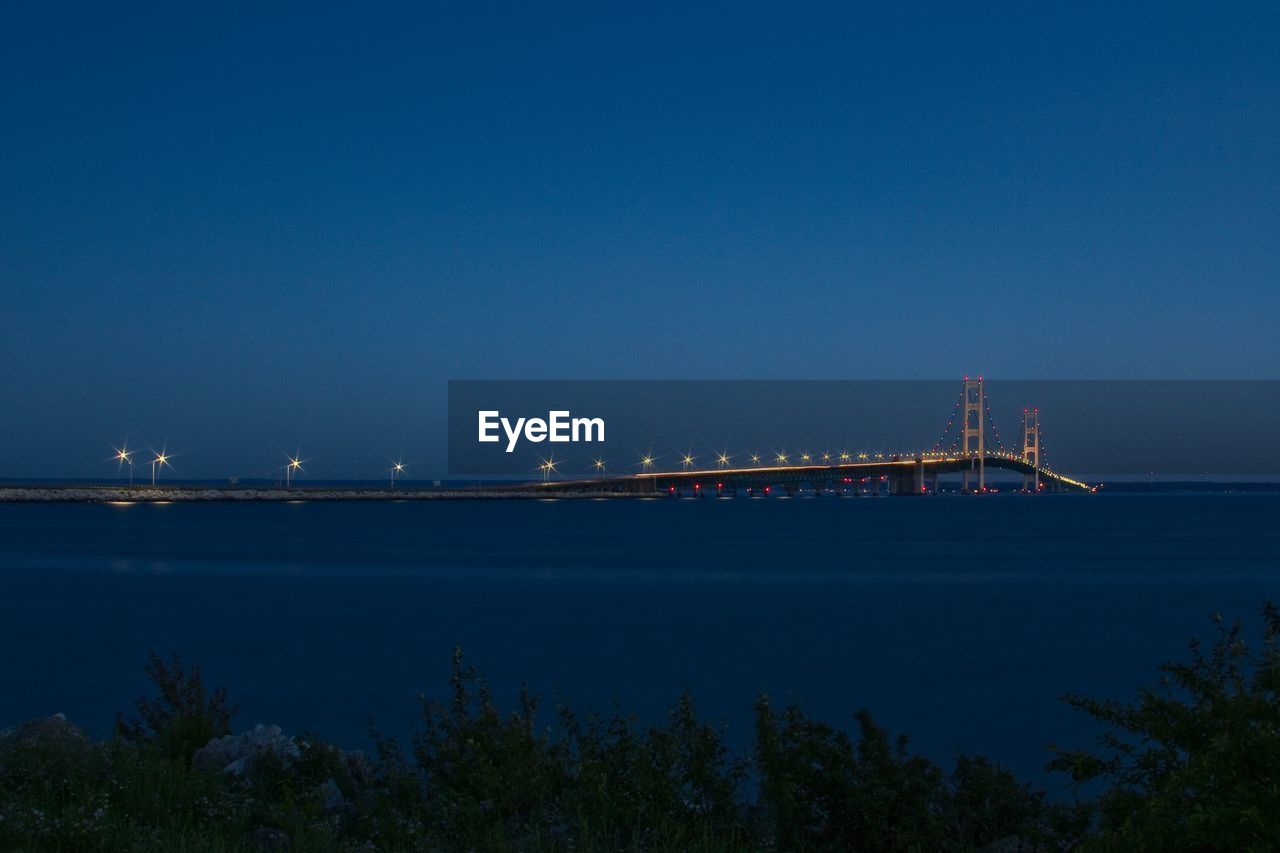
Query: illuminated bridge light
x,y
963,458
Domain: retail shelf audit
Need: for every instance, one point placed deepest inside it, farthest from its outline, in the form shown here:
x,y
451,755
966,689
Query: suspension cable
x,y
950,422
987,403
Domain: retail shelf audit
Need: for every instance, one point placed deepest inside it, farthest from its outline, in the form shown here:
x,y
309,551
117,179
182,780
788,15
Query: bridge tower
x,y
972,443
1031,447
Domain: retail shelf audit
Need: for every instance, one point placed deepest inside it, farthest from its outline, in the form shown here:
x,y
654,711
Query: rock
x,y
331,796
268,838
54,730
234,753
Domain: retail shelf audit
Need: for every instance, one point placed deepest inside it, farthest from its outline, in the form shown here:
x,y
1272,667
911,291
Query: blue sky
x,y
248,230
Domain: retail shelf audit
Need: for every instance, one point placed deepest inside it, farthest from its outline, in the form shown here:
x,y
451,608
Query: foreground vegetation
x,y
1192,764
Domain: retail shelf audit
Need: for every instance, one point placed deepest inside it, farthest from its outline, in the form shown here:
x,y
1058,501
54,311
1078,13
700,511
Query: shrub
x,y
1194,762
820,790
183,718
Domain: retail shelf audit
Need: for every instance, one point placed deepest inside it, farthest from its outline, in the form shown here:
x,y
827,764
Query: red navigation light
x,y
768,489
719,485
697,485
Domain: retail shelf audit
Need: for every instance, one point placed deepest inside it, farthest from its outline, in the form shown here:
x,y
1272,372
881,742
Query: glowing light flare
x,y
124,456
158,461
293,465
548,467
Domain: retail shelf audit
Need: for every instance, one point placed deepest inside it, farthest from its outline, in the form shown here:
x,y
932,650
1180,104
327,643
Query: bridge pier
x,y
977,465
910,482
646,486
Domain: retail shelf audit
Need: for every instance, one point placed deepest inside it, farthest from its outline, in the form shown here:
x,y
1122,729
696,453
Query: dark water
x,y
957,620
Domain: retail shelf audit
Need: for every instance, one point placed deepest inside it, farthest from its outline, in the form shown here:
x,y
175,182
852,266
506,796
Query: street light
x,y
686,461
599,466
646,462
548,467
294,464
397,468
124,456
723,459
161,460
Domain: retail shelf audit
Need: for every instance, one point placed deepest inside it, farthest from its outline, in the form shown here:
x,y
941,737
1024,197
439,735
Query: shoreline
x,y
199,494
273,494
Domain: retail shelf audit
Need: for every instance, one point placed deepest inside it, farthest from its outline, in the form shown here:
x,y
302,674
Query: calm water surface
x,y
957,620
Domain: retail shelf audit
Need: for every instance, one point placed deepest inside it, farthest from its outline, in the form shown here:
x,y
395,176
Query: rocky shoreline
x,y
234,756
148,494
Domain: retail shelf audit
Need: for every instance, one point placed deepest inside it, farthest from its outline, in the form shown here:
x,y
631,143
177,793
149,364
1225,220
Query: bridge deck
x,y
895,468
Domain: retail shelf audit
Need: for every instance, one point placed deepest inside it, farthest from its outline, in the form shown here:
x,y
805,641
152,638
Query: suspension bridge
x,y
969,445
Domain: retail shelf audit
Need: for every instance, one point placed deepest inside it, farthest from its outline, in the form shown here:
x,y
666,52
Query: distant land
x,y
197,493
87,492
